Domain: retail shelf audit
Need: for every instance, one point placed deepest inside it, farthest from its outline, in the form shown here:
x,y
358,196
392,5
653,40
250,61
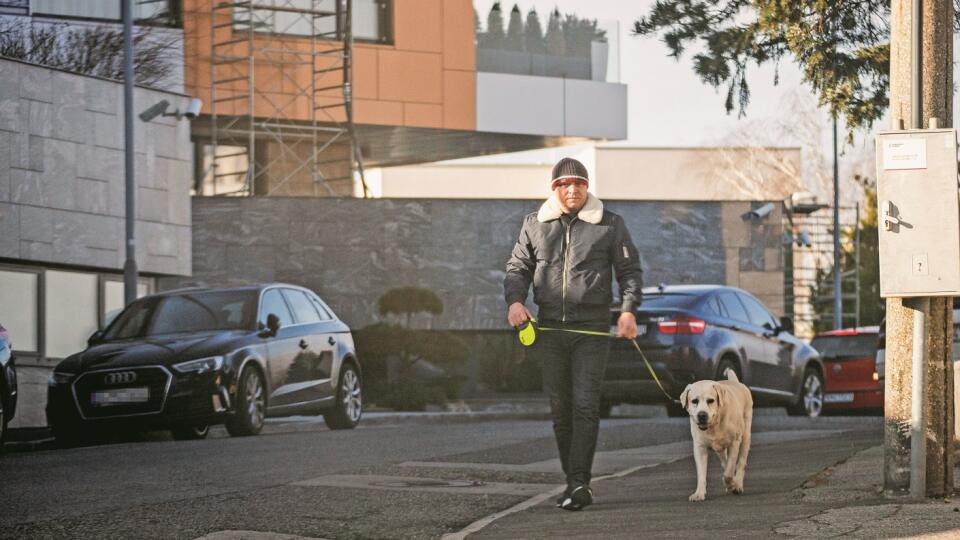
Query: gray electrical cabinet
x,y
918,209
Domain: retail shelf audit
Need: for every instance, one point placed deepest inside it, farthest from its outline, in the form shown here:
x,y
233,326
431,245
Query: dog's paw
x,y
737,489
730,482
697,496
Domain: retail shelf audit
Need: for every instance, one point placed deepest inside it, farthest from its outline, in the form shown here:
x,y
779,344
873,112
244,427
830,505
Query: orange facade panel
x,y
418,25
410,76
460,100
459,48
422,115
388,113
365,72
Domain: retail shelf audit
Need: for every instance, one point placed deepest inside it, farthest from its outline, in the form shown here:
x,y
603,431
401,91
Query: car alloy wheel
x,y
251,405
812,394
254,399
352,400
348,407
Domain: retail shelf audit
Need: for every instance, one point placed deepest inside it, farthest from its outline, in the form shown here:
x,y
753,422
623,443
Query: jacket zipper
x,y
563,286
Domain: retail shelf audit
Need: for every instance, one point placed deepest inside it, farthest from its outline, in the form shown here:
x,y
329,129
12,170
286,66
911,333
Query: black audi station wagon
x,y
187,359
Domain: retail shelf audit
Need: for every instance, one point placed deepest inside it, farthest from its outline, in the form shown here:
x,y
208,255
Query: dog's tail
x,y
732,376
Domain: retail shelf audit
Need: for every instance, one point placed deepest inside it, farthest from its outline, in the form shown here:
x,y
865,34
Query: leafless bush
x,y
91,50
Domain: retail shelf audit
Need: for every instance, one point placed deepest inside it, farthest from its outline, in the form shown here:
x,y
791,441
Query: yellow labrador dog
x,y
721,413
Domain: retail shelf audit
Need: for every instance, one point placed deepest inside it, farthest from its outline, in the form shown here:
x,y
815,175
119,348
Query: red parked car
x,y
852,381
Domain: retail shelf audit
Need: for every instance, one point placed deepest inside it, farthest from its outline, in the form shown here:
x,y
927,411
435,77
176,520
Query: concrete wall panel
x,y
61,168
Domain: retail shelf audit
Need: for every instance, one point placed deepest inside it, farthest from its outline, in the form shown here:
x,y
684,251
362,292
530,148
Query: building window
x,y
161,12
70,311
371,21
51,313
18,308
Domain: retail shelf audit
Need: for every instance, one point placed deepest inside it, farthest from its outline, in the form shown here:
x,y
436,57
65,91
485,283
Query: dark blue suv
x,y
696,332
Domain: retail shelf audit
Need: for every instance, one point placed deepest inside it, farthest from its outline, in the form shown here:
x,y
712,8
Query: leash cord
x,y
608,335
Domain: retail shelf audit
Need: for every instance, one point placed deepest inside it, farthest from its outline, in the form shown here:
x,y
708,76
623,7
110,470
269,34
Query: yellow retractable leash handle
x,y
528,335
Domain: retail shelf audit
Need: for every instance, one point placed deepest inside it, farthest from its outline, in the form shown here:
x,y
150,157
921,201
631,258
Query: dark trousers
x,y
572,367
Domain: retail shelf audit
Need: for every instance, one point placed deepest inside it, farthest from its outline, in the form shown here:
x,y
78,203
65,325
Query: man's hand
x,y
627,325
517,314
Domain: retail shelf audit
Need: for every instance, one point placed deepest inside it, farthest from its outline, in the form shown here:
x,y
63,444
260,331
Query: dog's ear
x,y
720,391
684,395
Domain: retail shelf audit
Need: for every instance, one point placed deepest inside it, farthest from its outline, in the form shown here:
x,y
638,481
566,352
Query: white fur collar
x,y
591,212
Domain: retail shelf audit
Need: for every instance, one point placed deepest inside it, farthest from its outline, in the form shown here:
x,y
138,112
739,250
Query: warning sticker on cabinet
x,y
901,154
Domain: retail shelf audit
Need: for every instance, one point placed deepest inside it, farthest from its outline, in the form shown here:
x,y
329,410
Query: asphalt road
x,y
309,481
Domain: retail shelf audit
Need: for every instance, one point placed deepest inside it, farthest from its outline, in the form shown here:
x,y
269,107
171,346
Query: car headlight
x,y
201,365
59,377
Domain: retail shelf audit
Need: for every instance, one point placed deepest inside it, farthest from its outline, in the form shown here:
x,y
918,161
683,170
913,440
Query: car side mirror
x,y
786,324
95,338
273,324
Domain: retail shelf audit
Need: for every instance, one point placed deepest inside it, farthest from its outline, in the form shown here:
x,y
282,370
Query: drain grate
x,y
429,483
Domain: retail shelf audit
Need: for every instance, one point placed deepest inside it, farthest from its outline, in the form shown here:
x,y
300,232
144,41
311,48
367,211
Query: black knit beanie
x,y
568,168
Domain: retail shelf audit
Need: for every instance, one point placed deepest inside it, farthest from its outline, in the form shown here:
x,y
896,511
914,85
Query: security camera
x,y
803,239
158,109
193,108
759,212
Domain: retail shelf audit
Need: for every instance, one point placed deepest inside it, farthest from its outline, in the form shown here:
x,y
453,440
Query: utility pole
x,y
921,88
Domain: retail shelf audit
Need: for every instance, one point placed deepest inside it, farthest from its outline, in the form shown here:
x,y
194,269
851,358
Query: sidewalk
x,y
815,488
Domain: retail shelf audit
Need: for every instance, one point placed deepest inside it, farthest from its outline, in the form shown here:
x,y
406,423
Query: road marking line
x,y
537,499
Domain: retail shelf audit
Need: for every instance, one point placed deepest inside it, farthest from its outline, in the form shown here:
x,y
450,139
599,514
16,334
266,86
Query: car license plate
x,y
120,396
846,397
641,330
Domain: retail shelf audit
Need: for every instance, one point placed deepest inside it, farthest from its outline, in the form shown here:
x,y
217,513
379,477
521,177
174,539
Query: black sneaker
x,y
580,498
563,496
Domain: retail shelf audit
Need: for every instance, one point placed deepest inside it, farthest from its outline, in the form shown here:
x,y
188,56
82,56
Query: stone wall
x,y
62,173
351,251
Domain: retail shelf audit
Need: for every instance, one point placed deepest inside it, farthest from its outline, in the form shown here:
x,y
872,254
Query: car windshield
x,y
190,312
860,345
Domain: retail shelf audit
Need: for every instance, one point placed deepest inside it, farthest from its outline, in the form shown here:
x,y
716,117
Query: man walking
x,y
567,250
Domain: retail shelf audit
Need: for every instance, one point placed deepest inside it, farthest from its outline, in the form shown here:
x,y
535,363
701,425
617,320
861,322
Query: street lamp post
x,y
837,267
130,264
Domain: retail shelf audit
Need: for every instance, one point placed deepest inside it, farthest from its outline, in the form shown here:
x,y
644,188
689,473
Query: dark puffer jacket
x,y
571,266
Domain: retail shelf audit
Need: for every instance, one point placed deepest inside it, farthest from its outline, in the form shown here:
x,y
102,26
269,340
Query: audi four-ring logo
x,y
120,377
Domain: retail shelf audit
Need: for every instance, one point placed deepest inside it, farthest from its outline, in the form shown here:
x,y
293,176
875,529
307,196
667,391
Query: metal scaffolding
x,y
281,111
808,284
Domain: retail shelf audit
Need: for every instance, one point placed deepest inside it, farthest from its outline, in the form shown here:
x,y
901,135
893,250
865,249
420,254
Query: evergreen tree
x,y
514,40
495,37
579,34
533,34
843,48
556,45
